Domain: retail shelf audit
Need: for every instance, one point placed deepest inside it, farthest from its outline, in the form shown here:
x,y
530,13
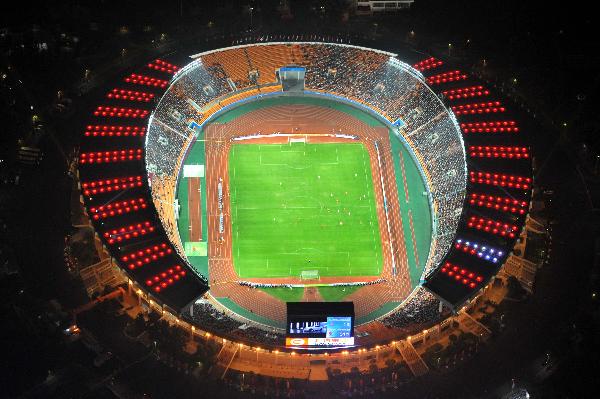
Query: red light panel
x,y
466,92
114,131
498,152
493,226
500,179
446,77
130,95
147,255
427,64
503,204
490,127
166,278
146,81
128,232
120,112
461,275
162,66
110,185
110,156
117,208
478,108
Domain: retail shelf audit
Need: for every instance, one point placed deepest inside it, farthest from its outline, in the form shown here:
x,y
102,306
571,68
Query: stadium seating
x,y
375,79
378,80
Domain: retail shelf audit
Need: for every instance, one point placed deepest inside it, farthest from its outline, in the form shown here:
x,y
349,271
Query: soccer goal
x,y
309,275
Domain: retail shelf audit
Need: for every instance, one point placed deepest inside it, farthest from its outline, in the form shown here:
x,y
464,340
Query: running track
x,y
305,120
195,207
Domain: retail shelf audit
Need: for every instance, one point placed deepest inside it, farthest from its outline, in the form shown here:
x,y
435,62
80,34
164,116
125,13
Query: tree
x,y
515,290
435,348
140,322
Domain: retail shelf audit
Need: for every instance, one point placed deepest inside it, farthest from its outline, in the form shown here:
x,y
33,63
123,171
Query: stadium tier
x,y
182,167
365,77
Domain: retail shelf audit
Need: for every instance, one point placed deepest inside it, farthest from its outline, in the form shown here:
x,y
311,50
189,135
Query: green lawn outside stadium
x,y
298,207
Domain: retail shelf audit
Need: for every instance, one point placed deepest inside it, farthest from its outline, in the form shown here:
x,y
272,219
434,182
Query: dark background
x,y
550,49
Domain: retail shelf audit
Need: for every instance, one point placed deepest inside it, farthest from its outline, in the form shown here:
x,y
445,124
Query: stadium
x,y
229,183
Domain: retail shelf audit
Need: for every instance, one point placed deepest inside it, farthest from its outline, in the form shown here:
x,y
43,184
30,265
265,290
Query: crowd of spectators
x,y
261,335
422,308
205,314
359,283
250,284
290,286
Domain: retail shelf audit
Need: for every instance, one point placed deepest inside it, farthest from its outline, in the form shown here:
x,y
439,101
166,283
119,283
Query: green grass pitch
x,y
302,207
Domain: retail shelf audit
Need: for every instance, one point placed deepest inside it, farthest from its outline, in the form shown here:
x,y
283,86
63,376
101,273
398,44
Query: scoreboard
x,y
320,325
291,78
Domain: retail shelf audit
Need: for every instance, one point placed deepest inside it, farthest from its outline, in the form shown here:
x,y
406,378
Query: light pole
x,y
251,9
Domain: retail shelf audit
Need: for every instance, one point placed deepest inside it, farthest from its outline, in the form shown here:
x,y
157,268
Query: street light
x,y
251,9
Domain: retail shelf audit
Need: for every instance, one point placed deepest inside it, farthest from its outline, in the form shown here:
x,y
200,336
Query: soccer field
x,y
299,207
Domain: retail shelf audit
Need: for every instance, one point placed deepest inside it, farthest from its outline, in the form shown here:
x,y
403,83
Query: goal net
x,y
309,275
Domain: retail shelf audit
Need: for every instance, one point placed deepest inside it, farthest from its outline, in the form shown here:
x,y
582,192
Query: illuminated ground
x,y
299,207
